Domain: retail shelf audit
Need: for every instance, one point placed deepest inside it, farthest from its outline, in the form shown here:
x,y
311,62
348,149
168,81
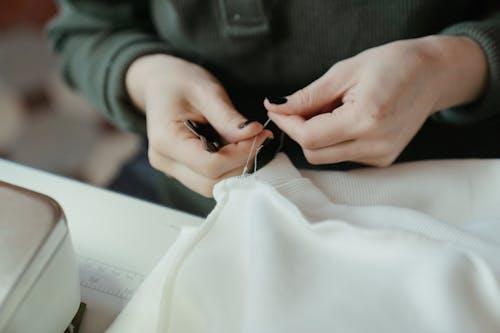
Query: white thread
x,y
267,122
245,169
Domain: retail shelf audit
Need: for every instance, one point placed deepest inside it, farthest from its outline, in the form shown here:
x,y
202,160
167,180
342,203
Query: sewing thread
x,y
245,169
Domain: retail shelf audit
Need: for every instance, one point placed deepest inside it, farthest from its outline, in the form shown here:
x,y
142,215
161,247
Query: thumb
x,y
322,95
217,108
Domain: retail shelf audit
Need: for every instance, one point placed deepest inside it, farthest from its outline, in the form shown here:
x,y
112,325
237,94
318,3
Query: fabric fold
x,y
277,255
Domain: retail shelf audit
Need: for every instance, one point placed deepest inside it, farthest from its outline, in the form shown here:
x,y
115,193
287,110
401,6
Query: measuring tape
x,y
108,279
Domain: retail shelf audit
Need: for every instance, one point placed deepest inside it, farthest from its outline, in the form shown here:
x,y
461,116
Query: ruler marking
x,y
108,279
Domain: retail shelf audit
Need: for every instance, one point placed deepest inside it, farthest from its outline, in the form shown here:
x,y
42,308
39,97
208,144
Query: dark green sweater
x,y
258,47
269,47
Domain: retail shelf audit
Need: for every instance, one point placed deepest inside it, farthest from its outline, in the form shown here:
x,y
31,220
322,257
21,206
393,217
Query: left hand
x,y
366,109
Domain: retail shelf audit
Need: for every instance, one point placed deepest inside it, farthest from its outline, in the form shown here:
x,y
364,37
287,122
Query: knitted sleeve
x,y
97,41
486,33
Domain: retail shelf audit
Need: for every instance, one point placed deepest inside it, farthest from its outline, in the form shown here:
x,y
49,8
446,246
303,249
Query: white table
x,y
110,228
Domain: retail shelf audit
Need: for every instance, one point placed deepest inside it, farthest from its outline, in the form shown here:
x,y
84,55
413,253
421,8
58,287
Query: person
x,y
363,82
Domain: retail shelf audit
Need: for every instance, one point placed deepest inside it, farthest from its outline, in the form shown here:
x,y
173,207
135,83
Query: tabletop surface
x,y
112,233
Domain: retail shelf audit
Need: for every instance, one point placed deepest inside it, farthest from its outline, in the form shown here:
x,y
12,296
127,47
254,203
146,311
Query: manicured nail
x,y
266,141
211,147
278,100
245,124
217,145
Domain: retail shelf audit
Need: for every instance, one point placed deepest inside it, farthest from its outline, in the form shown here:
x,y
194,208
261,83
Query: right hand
x,y
171,90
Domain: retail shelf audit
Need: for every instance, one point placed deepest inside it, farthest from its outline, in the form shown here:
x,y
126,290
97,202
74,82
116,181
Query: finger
x,y
362,151
322,130
181,145
352,151
190,178
217,108
322,94
227,158
169,137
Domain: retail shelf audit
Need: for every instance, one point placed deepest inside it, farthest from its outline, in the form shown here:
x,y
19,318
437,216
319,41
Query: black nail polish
x,y
217,145
211,147
278,100
245,124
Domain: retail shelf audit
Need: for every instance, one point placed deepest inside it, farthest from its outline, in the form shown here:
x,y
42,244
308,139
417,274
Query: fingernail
x,y
266,141
278,100
245,124
217,145
212,147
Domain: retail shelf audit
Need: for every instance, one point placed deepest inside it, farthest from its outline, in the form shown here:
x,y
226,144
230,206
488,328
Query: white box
x,y
39,283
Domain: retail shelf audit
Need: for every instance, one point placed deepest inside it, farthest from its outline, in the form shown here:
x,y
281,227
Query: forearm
x,y
97,44
141,76
460,69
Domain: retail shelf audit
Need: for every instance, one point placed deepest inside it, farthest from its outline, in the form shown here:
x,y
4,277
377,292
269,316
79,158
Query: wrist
x,y
140,75
458,69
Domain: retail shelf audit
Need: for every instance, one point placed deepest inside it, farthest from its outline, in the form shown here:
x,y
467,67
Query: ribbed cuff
x,y
487,35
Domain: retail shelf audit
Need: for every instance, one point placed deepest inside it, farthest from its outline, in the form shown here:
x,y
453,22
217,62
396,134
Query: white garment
x,y
412,248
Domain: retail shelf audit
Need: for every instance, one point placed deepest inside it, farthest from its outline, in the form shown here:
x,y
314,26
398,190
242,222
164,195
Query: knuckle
x,y
305,98
385,155
312,157
207,189
383,162
339,65
203,188
308,140
382,148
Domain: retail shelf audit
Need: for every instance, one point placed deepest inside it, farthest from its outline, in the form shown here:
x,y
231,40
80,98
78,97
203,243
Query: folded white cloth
x,y
411,248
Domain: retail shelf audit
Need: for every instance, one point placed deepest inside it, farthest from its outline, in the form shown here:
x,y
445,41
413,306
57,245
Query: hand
x,y
170,91
367,108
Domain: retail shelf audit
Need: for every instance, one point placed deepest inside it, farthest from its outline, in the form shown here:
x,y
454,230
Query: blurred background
x,y
42,123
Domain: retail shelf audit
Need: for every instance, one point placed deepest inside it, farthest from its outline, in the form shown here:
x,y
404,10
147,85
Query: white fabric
x,y
411,248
